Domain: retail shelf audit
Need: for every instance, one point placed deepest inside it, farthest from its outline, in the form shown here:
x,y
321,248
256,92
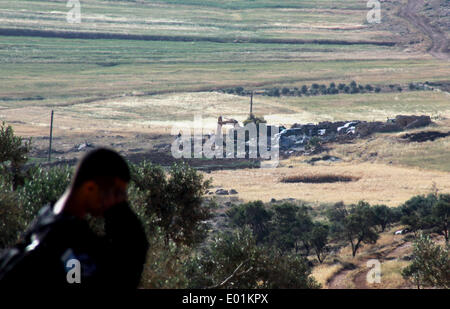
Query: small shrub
x,y
43,186
239,90
354,90
11,217
285,91
13,155
430,265
256,120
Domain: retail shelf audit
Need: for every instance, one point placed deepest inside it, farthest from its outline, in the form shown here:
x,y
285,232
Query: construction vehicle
x,y
224,121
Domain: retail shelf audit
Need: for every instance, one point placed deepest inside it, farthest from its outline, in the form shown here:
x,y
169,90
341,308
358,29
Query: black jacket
x,y
53,242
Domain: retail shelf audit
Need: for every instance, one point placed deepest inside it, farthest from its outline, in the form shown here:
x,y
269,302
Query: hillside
x,y
132,72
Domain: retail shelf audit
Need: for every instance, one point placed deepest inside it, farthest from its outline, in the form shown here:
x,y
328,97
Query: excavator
x,y
222,121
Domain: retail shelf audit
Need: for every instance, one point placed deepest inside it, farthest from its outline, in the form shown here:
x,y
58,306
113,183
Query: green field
x,y
60,70
267,18
53,71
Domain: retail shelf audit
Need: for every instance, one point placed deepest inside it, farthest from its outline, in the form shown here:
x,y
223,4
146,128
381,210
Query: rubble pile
x,y
302,137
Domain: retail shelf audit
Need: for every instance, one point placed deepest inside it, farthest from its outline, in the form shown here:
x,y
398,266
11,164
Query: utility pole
x,y
251,103
51,137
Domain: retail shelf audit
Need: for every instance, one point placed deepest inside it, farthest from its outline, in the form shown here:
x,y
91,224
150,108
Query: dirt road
x,y
359,281
339,281
439,42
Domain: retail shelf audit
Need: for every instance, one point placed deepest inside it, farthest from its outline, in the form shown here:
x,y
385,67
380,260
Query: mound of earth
x,y
325,178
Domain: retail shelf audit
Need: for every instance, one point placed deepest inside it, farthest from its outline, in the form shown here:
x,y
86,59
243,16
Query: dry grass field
x,y
378,183
162,112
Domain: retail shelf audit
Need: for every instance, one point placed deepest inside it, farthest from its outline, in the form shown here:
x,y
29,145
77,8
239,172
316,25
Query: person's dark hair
x,y
101,164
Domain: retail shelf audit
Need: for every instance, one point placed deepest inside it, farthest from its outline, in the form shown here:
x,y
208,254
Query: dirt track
x,y
339,280
359,281
439,42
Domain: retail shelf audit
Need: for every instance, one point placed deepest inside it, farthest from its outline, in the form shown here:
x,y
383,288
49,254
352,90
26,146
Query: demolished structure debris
x,y
299,137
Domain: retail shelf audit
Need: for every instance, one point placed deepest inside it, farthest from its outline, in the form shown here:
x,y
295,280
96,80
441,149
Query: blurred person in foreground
x,y
60,249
